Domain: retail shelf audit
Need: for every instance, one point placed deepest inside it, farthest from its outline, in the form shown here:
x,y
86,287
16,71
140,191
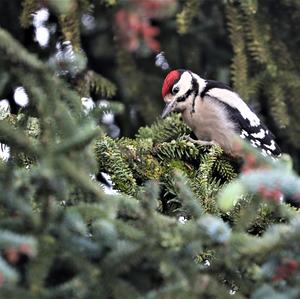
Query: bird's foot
x,y
200,142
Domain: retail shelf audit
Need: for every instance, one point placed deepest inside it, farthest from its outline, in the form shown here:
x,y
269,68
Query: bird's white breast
x,y
209,121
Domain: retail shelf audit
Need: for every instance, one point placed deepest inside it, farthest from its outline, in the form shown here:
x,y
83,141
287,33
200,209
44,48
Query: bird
x,y
215,113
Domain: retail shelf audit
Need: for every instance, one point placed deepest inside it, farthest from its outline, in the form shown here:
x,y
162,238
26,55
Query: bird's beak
x,y
169,108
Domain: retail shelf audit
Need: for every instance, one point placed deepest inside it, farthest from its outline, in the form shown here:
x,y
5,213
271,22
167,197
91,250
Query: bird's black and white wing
x,y
258,135
247,123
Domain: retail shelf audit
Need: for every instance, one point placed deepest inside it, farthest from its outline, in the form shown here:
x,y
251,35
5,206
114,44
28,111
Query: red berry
x,y
288,267
25,249
12,255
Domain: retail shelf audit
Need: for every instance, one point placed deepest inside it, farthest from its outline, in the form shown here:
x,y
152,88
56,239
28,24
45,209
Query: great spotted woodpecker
x,y
214,112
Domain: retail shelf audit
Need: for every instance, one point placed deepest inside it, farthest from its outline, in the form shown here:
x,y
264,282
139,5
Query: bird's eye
x,y
175,90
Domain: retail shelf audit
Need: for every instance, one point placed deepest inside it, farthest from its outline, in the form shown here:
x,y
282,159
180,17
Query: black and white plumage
x,y
215,112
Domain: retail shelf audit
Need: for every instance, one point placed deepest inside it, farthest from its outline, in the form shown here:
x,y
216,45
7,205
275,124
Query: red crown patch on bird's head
x,y
171,78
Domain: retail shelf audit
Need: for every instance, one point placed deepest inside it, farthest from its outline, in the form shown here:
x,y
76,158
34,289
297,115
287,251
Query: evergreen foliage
x,y
264,67
186,16
187,221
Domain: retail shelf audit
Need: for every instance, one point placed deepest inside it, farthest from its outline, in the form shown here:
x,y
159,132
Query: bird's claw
x,y
200,142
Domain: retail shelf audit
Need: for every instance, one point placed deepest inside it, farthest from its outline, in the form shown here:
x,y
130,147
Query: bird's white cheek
x,y
180,107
